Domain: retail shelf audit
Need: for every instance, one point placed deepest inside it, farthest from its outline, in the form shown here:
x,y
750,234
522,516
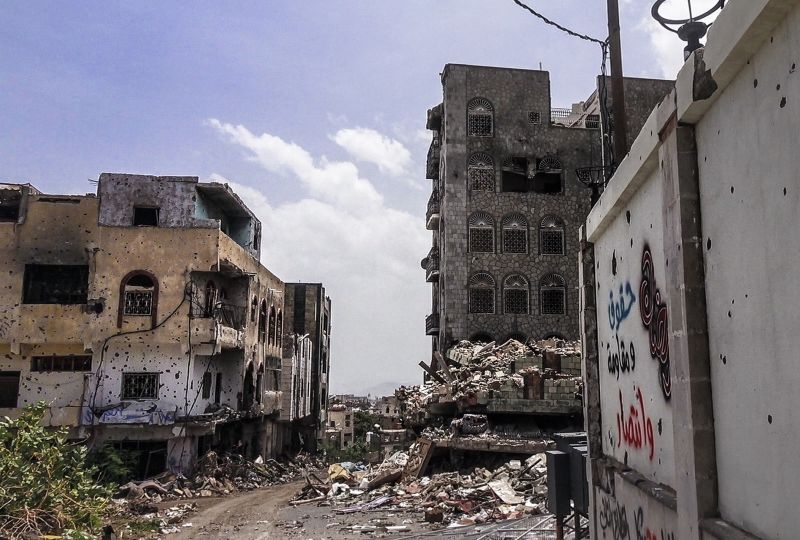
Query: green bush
x,y
112,466
45,486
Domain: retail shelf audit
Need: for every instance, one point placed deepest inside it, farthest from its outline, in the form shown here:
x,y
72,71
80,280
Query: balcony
x,y
223,325
432,169
431,265
432,215
432,324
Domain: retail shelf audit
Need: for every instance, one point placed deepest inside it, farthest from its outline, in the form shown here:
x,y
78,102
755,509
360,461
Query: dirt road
x,y
250,516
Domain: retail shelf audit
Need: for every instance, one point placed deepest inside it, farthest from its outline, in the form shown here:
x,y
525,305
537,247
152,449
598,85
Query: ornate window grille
x,y
480,171
481,233
138,298
552,295
481,293
140,386
515,234
551,236
480,118
515,295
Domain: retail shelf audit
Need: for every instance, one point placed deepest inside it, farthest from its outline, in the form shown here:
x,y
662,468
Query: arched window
x,y
211,298
551,236
481,337
481,233
253,310
515,234
279,326
138,296
548,176
480,118
271,337
515,295
262,322
480,172
553,295
481,293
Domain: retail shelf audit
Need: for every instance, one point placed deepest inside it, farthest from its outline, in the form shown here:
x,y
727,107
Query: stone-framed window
x,y
549,176
515,233
481,233
480,118
271,331
262,322
480,172
140,386
551,235
515,295
138,296
481,293
279,329
553,295
254,310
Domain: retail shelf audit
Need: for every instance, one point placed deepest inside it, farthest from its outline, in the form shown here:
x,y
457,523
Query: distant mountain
x,y
376,390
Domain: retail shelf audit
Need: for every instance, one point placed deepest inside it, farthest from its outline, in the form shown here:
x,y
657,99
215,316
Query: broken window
x,y
218,389
211,298
55,284
145,216
481,233
9,388
140,386
515,295
139,295
552,295
480,172
551,236
515,175
547,179
61,363
481,293
480,118
10,202
253,310
206,385
515,234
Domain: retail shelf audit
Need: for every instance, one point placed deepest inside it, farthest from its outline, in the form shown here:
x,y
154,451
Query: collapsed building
x,y
142,316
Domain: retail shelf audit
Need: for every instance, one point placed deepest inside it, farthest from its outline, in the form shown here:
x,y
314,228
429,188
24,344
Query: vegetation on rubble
x,y
111,465
363,422
45,485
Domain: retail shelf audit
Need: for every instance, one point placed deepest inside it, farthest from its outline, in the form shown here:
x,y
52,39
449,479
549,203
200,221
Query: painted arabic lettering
x,y
635,429
618,310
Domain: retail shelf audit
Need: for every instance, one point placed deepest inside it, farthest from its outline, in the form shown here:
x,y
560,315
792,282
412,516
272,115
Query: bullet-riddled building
x,y
142,316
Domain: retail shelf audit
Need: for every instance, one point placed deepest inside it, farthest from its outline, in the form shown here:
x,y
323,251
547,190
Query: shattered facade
x,y
341,426
142,316
308,312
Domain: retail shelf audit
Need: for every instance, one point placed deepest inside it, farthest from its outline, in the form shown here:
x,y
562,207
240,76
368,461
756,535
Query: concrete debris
x,y
547,370
479,495
217,475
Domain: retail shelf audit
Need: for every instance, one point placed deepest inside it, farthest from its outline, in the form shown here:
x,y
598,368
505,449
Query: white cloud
x,y
369,146
366,254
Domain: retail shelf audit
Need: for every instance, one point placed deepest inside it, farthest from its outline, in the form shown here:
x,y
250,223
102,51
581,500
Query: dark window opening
x,y
262,322
61,363
218,389
552,242
481,301
256,239
140,386
547,183
206,385
481,337
10,201
55,284
516,301
253,310
145,216
211,299
481,240
515,175
9,388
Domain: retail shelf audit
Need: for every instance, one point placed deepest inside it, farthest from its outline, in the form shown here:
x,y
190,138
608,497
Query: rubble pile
x,y
217,475
474,374
450,499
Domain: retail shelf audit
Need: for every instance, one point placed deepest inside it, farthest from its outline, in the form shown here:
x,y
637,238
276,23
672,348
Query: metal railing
x,y
433,205
432,163
432,323
560,113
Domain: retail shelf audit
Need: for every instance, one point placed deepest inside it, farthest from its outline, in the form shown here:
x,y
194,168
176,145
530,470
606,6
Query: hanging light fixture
x,y
690,30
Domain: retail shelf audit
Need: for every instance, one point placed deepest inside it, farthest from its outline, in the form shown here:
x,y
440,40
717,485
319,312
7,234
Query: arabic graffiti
x,y
618,310
635,429
614,518
621,360
654,318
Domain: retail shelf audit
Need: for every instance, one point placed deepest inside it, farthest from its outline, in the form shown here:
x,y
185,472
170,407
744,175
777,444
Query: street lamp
x,y
690,30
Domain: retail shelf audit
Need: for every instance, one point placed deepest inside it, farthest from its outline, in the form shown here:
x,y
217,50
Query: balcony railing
x,y
432,169
432,215
432,324
431,265
226,314
559,114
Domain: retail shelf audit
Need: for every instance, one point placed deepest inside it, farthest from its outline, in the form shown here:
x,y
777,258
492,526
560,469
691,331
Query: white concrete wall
x,y
623,513
636,412
750,200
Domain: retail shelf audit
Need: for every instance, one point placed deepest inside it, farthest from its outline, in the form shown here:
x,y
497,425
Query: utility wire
x,y
562,28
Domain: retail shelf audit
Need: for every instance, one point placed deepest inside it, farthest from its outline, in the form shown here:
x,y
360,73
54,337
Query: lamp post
x,y
690,30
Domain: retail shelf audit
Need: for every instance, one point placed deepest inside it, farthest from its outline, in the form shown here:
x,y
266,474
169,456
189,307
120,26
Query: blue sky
x,y
314,110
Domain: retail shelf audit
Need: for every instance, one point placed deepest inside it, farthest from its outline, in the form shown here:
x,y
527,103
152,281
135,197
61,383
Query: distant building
x,y
142,316
297,416
352,401
341,426
308,312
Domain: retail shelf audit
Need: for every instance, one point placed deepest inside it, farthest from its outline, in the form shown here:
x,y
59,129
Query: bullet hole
x,y
783,102
631,242
771,39
666,262
729,314
708,244
793,67
778,87
769,418
746,296
731,189
705,159
614,262
628,216
755,83
660,426
784,192
733,301
626,456
724,359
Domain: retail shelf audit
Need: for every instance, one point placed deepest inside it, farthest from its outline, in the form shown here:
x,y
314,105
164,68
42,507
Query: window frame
x,y
121,302
480,108
509,286
156,386
31,276
481,162
481,281
47,364
480,221
515,222
553,282
7,377
551,223
155,209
